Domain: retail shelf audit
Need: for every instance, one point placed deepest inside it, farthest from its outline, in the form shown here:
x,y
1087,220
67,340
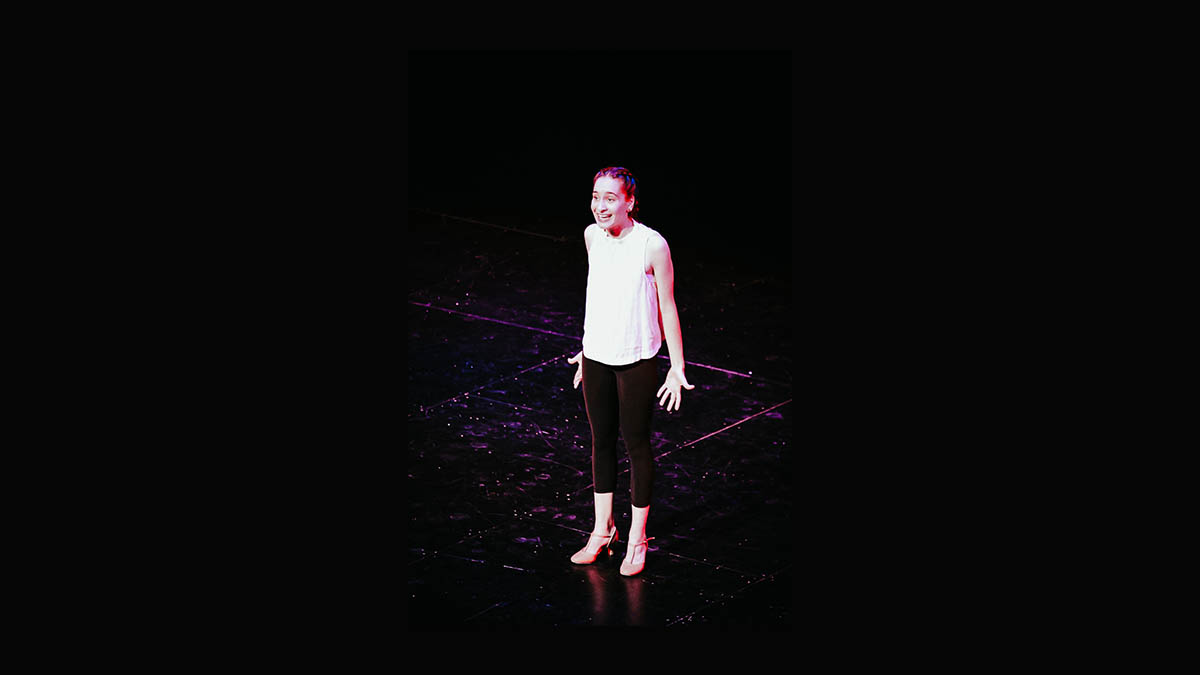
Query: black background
x,y
518,136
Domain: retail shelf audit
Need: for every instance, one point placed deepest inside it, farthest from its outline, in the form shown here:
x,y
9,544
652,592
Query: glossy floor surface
x,y
499,483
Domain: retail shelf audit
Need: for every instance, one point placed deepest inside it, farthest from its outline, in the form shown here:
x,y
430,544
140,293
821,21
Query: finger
x,y
688,386
662,399
661,390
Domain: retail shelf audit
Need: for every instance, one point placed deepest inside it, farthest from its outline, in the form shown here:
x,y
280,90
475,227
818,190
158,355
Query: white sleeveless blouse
x,y
620,321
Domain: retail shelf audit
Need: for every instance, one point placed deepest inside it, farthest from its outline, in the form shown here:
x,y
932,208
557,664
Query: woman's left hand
x,y
669,393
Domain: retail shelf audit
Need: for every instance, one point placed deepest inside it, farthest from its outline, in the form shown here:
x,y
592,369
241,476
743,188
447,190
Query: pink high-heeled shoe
x,y
629,569
582,557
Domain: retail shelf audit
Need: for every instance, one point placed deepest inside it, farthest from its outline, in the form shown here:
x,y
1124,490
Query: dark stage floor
x,y
499,477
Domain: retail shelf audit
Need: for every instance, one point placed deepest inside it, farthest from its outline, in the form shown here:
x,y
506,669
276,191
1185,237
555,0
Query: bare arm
x,y
664,277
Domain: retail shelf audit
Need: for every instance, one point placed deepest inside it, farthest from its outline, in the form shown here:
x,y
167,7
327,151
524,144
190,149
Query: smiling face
x,y
610,206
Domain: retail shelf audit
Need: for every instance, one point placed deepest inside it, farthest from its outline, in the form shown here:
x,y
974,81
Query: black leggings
x,y
621,397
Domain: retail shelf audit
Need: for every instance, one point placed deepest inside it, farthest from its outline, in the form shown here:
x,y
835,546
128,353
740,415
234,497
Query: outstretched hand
x,y
669,393
578,358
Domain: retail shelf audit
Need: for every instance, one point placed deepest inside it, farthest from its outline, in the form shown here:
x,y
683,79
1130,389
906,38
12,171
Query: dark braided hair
x,y
626,177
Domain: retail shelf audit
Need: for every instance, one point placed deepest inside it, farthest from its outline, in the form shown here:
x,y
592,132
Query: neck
x,y
619,229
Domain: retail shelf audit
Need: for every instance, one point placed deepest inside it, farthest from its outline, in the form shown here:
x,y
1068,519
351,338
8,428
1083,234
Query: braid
x,y
626,177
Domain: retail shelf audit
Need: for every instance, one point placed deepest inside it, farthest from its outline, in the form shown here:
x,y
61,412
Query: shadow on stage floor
x,y
499,479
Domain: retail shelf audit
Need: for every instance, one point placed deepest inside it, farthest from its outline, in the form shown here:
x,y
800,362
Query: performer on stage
x,y
630,311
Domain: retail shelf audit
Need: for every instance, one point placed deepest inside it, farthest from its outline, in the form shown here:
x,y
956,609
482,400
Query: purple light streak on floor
x,y
488,318
735,424
550,332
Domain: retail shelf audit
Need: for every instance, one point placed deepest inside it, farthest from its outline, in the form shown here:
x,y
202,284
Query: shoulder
x,y
589,235
655,242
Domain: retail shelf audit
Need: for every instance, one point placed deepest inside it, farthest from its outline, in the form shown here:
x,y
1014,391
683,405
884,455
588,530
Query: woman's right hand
x,y
578,358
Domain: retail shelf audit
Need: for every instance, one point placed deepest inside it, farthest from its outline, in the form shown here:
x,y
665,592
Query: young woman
x,y
630,311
